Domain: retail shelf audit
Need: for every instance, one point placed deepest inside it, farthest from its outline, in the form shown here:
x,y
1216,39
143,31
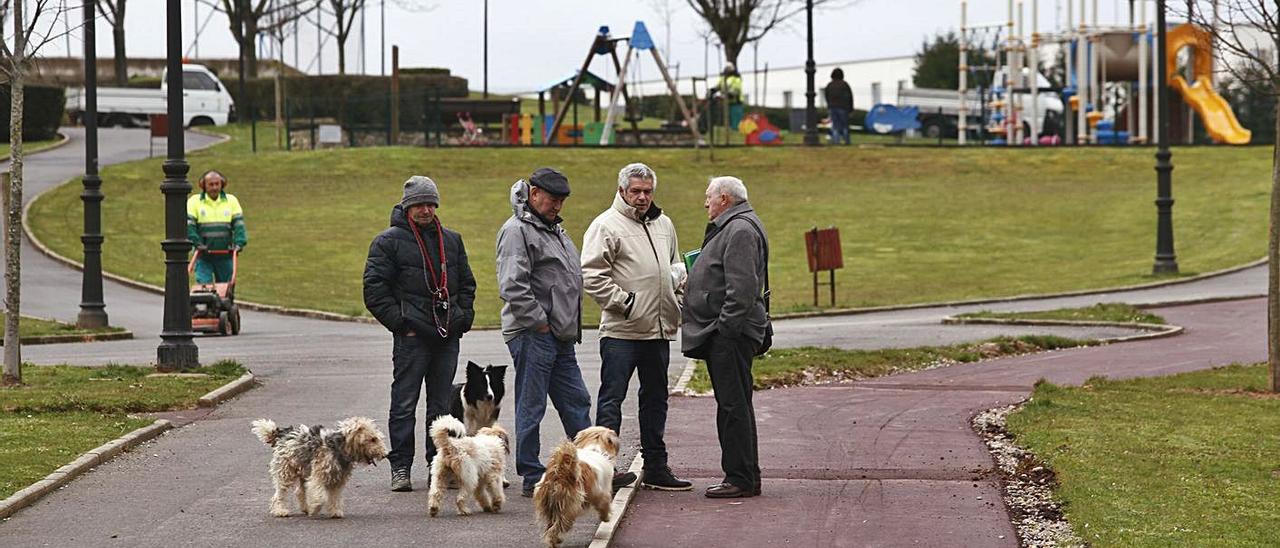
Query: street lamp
x,y
1166,261
93,311
810,111
486,49
177,350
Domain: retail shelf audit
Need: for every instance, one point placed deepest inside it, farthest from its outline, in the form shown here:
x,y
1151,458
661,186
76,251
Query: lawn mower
x,y
213,306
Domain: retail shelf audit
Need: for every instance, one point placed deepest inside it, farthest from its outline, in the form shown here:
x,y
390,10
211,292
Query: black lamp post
x,y
93,311
177,350
486,49
1166,260
810,111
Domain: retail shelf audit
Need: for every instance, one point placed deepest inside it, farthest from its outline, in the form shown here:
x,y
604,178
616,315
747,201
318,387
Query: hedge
x,y
43,108
351,99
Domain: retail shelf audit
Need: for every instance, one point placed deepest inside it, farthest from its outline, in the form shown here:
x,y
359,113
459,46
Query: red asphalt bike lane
x,y
893,461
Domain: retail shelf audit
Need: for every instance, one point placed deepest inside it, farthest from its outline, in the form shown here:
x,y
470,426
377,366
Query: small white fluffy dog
x,y
579,476
318,461
477,462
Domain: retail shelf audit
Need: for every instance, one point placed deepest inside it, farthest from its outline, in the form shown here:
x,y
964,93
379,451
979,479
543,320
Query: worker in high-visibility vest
x,y
730,90
215,222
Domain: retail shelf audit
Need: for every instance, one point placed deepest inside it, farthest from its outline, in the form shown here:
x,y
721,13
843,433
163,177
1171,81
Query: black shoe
x,y
623,479
664,480
728,491
527,492
400,481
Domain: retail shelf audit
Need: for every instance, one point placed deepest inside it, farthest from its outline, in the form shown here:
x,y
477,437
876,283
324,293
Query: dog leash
x,y
440,292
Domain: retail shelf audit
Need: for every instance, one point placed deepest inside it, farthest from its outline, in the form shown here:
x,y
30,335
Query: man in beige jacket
x,y
631,266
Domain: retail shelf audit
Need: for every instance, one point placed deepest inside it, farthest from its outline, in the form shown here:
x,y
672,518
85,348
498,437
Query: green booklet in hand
x,y
690,257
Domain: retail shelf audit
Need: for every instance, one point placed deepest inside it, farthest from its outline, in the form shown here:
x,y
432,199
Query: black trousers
x,y
620,359
418,362
729,365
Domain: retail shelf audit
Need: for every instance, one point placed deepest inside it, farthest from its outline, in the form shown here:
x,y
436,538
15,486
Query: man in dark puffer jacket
x,y
417,283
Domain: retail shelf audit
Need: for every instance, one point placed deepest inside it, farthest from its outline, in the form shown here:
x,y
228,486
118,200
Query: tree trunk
x,y
1273,267
13,235
251,45
122,64
342,57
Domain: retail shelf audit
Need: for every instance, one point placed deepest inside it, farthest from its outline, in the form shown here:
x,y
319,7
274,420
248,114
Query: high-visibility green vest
x,y
731,87
217,224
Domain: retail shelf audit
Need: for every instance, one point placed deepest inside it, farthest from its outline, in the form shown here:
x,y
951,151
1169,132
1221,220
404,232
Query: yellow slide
x,y
1216,115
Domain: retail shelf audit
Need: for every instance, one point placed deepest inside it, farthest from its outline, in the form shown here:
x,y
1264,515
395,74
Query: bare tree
x,y
16,53
1246,34
247,18
738,23
113,12
344,13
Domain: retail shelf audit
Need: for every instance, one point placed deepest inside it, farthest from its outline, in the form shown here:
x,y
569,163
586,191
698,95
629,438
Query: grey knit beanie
x,y
420,190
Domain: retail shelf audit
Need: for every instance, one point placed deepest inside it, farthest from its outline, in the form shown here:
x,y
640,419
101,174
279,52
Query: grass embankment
x,y
62,411
784,367
28,147
1101,312
1187,460
35,327
918,225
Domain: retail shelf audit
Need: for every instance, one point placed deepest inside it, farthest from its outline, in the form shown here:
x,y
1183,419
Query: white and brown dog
x,y
578,477
477,462
318,461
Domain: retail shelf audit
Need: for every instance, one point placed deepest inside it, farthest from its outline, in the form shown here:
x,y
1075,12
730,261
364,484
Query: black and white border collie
x,y
478,401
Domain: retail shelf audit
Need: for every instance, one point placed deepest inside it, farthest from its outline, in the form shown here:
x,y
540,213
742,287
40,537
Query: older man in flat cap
x,y
418,284
540,282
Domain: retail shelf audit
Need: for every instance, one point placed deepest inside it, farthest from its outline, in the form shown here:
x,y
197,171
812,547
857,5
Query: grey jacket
x,y
724,294
539,273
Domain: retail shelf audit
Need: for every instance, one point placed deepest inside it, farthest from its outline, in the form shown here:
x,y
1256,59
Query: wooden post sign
x,y
823,247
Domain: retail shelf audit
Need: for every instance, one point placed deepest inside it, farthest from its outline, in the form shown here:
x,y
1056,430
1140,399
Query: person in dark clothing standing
x,y
724,321
418,285
840,103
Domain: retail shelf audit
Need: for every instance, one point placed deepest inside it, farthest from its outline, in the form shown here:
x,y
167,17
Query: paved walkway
x,y
206,484
893,461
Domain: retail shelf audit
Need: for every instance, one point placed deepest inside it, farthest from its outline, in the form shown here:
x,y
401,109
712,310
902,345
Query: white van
x,y
205,101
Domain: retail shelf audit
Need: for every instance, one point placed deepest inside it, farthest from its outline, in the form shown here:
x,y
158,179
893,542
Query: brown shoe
x,y
728,491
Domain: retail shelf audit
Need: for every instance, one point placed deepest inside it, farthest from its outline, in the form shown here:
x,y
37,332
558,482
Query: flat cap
x,y
551,181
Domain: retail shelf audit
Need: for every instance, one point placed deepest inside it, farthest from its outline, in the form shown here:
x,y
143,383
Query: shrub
x,y
350,99
43,108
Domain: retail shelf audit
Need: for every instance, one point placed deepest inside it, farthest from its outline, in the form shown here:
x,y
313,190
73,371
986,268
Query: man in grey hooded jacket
x,y
724,322
540,282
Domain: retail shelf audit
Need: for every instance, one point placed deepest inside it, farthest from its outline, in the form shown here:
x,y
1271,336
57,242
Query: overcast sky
x,y
534,42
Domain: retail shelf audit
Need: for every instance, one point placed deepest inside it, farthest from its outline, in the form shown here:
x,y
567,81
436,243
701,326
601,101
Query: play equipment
x,y
641,41
758,131
1219,120
889,119
213,306
1110,86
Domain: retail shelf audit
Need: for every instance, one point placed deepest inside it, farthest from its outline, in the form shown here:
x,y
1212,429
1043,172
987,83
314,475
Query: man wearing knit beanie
x,y
418,284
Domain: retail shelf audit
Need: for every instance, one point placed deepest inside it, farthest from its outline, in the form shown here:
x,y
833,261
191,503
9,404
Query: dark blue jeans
x,y
418,362
839,126
619,359
545,366
729,365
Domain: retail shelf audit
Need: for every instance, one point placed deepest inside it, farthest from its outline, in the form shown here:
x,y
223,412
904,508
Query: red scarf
x,y
439,291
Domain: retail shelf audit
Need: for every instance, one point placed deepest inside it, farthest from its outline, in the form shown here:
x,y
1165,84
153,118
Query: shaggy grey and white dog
x,y
318,461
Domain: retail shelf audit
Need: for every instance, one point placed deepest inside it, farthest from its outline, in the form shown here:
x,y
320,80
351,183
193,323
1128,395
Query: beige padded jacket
x,y
627,268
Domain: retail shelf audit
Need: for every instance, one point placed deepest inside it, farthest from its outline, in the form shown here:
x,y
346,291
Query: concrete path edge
x,y
1151,330
228,391
107,451
75,338
86,462
63,139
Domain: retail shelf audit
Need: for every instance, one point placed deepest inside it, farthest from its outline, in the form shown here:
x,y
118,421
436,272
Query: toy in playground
x,y
471,133
758,130
889,119
1111,76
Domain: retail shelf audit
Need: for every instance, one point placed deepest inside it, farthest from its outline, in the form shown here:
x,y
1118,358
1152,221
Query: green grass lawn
x,y
28,147
917,225
62,411
1101,312
810,365
34,327
1187,460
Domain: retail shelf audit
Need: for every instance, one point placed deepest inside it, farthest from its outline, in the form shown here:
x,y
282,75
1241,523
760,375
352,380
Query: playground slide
x,y
1219,121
